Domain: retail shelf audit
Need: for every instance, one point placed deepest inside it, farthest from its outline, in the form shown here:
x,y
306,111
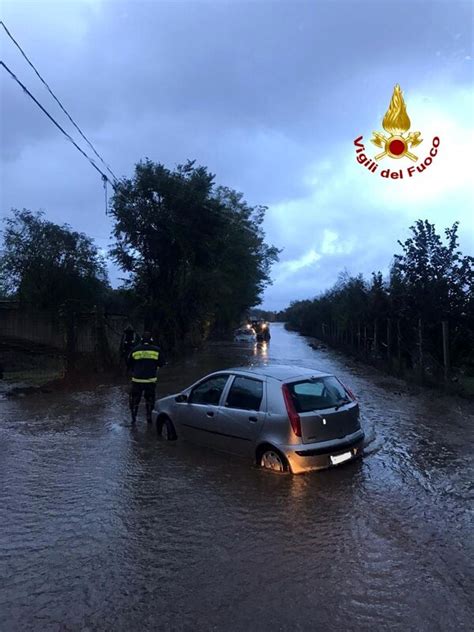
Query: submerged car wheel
x,y
272,460
166,429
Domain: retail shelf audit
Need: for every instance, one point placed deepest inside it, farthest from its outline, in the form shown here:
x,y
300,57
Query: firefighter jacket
x,y
143,361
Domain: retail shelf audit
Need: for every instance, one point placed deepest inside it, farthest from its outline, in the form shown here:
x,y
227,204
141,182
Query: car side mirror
x,y
181,398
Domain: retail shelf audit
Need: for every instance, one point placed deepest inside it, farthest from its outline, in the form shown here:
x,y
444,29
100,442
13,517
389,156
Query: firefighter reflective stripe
x,y
150,380
147,354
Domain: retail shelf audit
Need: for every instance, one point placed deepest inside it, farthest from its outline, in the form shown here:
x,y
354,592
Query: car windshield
x,y
317,393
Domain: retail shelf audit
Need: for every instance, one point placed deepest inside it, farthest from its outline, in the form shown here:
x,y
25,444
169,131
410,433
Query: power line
x,y
105,179
58,101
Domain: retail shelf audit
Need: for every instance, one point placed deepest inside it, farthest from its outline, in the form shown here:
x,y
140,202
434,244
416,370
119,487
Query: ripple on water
x,y
105,527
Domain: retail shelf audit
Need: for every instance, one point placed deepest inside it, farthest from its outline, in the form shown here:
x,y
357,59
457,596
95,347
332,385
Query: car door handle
x,y
253,419
210,413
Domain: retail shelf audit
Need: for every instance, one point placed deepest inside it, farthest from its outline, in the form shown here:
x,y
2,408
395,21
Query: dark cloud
x,y
264,93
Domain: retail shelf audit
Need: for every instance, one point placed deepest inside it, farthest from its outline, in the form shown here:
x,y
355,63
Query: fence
x,y
25,323
81,338
423,349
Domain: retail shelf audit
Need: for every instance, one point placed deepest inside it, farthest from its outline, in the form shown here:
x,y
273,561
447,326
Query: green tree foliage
x,y
430,281
343,306
46,264
433,281
437,278
195,253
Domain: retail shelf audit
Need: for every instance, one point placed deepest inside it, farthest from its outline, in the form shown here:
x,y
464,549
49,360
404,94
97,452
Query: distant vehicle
x,y
262,330
284,418
246,334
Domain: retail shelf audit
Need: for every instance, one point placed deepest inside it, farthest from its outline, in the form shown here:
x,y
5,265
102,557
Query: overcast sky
x,y
269,95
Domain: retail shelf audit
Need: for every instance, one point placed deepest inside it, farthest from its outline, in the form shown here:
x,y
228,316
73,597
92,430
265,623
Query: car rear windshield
x,y
317,393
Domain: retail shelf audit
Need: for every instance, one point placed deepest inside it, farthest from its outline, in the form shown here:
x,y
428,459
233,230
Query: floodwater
x,y
107,528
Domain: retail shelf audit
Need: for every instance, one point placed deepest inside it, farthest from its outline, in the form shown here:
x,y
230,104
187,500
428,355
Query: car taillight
x,y
349,392
291,410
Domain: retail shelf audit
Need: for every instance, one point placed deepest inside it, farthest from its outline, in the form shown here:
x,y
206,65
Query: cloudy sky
x,y
269,95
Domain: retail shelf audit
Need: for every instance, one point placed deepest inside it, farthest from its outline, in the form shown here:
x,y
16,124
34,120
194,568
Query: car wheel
x,y
271,459
166,429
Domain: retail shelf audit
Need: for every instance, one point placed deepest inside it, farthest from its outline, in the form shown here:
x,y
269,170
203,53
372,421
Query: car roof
x,y
281,372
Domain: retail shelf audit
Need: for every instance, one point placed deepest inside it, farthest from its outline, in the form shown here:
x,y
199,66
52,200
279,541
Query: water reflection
x,y
261,350
107,527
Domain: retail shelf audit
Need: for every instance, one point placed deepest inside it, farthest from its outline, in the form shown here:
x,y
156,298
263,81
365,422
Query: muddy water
x,y
107,528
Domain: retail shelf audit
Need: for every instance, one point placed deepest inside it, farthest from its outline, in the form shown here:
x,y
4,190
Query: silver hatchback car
x,y
284,418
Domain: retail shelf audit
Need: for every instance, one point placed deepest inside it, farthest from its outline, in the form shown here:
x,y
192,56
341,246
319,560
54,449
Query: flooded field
x,y
105,527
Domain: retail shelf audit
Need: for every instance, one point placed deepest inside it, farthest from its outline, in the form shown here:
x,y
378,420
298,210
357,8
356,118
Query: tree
x,y
195,254
435,282
46,264
438,278
244,260
429,282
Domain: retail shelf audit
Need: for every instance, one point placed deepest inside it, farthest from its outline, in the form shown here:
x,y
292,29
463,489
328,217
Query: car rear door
x,y
198,417
326,410
329,424
242,416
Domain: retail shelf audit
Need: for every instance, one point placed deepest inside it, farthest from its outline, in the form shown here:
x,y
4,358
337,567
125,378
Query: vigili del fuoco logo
x,y
397,143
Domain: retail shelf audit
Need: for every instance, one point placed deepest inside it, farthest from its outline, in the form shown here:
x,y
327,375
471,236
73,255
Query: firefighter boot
x,y
133,402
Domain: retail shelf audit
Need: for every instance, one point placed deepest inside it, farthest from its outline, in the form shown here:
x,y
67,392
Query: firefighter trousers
x,y
148,390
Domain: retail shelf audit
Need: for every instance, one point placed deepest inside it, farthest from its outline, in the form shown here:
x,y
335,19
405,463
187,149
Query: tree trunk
x,y
70,330
446,349
399,345
389,338
420,347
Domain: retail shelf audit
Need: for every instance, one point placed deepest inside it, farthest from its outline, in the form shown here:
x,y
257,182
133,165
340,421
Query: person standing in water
x,y
129,340
143,362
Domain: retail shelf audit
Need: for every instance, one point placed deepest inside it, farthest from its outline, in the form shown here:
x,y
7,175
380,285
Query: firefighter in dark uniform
x,y
129,340
143,362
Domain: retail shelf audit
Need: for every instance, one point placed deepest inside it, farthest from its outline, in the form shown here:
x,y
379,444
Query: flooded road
x,y
107,528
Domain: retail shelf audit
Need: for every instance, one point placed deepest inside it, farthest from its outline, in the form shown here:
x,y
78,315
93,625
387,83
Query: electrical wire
x,y
70,139
43,81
